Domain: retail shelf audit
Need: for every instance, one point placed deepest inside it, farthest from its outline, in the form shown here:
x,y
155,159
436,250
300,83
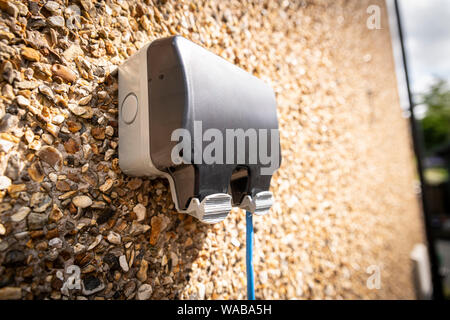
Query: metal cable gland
x,y
213,208
260,204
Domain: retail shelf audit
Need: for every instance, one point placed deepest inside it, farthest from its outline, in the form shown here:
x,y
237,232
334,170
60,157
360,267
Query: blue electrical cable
x,y
249,256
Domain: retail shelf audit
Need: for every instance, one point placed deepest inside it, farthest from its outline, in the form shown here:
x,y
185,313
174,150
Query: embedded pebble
x,y
98,133
64,72
73,51
58,119
45,90
10,293
123,263
158,224
77,110
56,242
36,220
85,100
71,146
82,201
22,101
144,292
8,122
53,177
92,285
114,237
5,182
109,131
26,85
78,248
51,156
30,54
56,21
6,146
52,6
109,154
134,184
63,186
107,185
20,214
142,273
47,138
55,214
35,172
96,241
140,211
235,242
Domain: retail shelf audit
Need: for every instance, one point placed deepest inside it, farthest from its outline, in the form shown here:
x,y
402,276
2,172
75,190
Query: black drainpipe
x,y
418,149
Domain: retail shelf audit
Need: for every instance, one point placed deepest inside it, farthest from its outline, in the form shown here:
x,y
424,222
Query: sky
x,y
426,25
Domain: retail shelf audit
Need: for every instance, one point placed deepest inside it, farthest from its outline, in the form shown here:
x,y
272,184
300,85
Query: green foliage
x,y
435,176
436,123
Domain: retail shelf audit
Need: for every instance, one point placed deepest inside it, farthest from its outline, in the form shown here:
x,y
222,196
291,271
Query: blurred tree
x,y
436,123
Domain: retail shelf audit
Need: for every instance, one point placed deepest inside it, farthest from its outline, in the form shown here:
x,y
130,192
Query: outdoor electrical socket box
x,y
203,123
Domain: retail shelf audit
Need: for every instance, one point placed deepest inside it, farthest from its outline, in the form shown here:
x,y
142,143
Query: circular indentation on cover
x,y
129,108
